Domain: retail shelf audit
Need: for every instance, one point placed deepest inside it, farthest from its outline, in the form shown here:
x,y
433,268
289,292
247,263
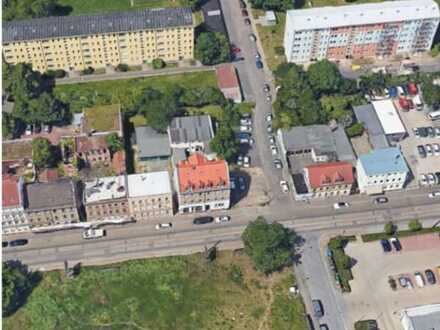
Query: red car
x,y
244,13
236,50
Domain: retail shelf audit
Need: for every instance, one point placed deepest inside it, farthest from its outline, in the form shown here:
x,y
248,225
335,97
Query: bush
x,y
389,228
392,283
355,130
414,225
279,50
56,73
158,63
88,70
121,67
236,275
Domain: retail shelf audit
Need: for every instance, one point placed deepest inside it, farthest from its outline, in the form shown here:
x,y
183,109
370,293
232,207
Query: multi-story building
x,y
106,198
78,42
52,203
14,219
149,195
329,179
379,30
93,150
202,184
381,170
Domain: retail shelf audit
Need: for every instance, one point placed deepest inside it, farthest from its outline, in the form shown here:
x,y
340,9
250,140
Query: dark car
x,y
386,246
5,244
203,220
247,21
431,132
396,243
323,327
244,135
423,132
242,4
430,277
318,311
19,242
381,200
259,64
244,13
421,150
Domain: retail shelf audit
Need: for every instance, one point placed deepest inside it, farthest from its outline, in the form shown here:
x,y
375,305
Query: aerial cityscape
x,y
221,164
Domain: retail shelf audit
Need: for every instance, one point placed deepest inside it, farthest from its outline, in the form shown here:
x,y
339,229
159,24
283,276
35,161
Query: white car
x,y
246,161
436,148
269,118
28,130
272,139
240,160
431,179
244,141
423,179
340,205
222,218
428,149
274,150
93,233
164,225
245,128
284,186
245,121
434,194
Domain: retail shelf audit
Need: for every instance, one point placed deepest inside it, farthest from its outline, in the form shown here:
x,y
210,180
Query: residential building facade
x,y
77,42
227,81
52,203
375,30
329,179
106,198
202,184
14,219
150,195
381,170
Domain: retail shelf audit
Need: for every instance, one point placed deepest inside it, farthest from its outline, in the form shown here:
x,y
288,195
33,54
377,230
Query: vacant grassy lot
x,y
81,7
271,38
103,118
165,293
126,92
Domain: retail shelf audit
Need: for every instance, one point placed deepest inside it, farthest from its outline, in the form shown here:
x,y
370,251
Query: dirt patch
x,y
256,192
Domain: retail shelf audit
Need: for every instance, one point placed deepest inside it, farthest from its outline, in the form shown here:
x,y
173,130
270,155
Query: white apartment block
x,y
376,30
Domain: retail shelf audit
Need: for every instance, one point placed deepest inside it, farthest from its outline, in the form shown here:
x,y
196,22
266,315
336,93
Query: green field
x,y
81,7
165,293
127,91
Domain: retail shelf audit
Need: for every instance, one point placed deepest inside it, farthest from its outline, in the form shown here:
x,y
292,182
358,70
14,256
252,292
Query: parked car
x,y
323,327
266,88
244,13
272,139
396,243
403,281
274,150
222,218
244,128
434,194
268,98
93,233
423,179
381,200
269,117
318,311
28,130
257,55
341,205
437,132
278,163
259,64
436,149
284,186
18,242
247,21
269,128
386,246
246,161
245,121
416,132
203,220
437,175
392,91
423,132
430,277
431,132
431,179
165,225
420,281
252,37
421,150
5,244
242,4
428,149
244,140
47,128
240,160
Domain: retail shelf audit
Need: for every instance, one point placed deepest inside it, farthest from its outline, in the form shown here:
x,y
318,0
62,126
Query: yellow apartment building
x,y
76,42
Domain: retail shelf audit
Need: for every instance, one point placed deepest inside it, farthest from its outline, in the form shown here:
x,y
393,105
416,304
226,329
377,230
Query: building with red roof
x,y
202,184
14,219
228,83
93,149
329,179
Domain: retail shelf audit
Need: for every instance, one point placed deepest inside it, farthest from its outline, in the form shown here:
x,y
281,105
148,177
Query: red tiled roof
x,y
327,174
118,162
88,143
199,173
10,193
226,76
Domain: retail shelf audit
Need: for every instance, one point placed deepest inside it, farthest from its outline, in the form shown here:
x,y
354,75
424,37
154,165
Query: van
x,y
435,115
419,279
318,312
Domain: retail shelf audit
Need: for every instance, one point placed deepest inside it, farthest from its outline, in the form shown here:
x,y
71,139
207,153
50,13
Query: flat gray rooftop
x,y
190,129
366,115
151,144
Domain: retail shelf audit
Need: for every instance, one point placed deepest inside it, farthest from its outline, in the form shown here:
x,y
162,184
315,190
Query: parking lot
x,y
430,164
372,296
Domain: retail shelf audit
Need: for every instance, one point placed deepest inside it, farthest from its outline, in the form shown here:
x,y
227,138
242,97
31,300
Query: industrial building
x,y
374,30
78,42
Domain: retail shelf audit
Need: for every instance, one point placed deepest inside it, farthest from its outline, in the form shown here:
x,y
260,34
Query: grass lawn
x,y
165,293
127,91
272,37
102,118
81,7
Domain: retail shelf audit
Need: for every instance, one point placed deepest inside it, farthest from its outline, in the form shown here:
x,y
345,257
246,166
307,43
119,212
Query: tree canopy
x,y
114,142
198,97
324,77
225,143
23,9
270,246
212,48
43,154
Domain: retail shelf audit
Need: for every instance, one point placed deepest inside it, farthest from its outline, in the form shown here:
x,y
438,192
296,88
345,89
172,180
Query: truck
x,y
92,233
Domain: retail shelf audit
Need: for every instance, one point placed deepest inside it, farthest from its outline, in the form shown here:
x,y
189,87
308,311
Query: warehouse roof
x,y
383,161
65,26
388,117
370,13
423,317
366,115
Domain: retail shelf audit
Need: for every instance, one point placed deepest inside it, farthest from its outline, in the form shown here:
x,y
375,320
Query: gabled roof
x,y
199,173
190,129
383,161
227,76
43,196
327,174
66,26
10,191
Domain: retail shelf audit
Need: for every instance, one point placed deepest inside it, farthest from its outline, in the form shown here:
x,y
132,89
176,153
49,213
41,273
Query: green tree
x,y
158,63
414,225
22,82
8,125
281,5
345,261
374,81
212,48
201,96
121,67
268,245
355,130
114,142
389,228
324,77
431,93
43,154
225,143
23,9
